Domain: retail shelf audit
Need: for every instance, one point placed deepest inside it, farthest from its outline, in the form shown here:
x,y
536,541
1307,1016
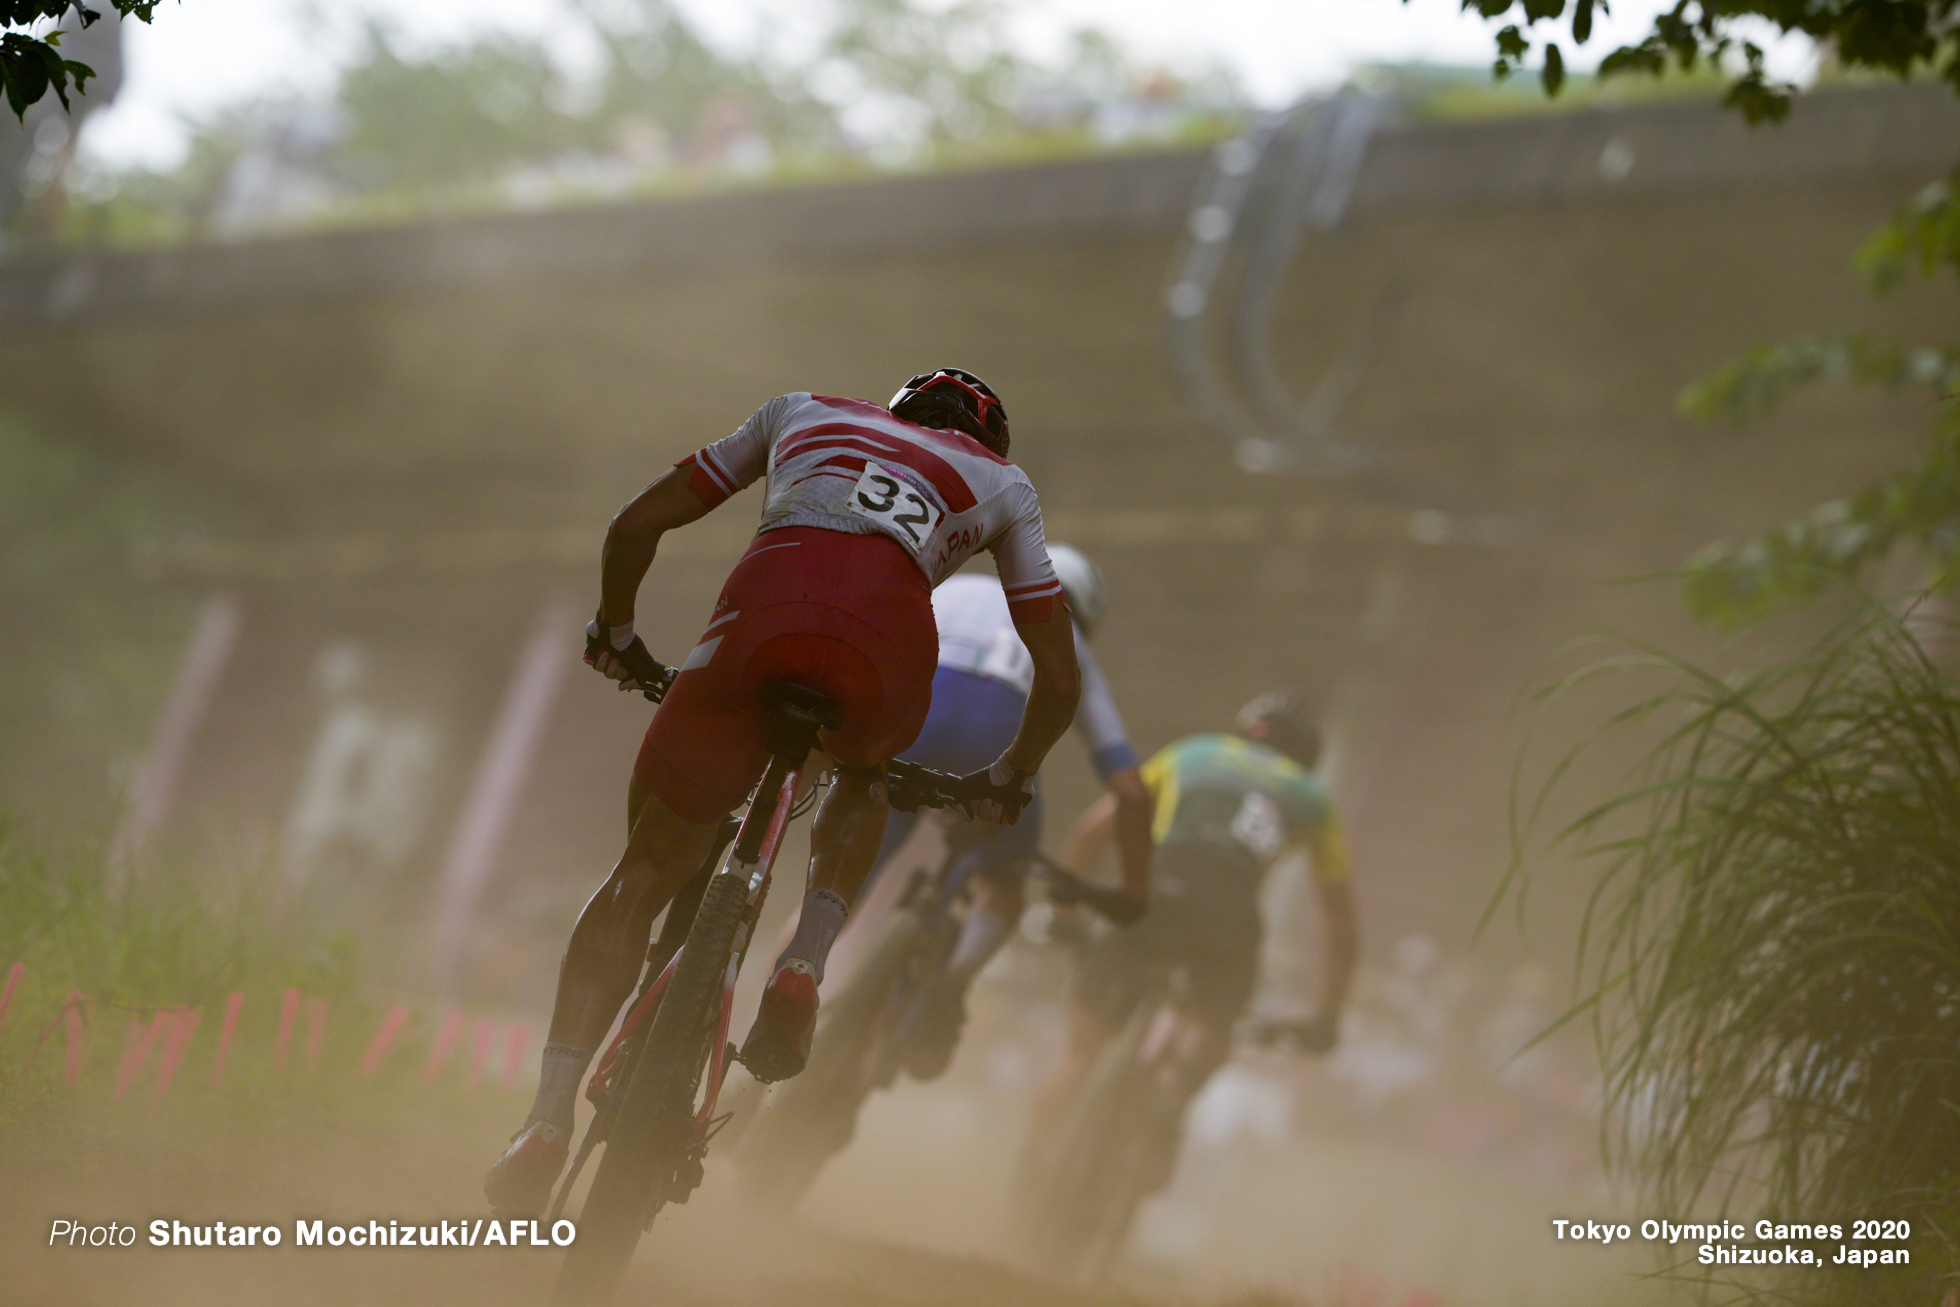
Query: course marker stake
x,y
486,1035
77,1037
384,1038
288,1009
138,1040
183,1024
446,1037
316,1031
7,995
233,1006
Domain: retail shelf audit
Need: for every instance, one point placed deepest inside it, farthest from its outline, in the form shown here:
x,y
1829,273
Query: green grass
x,y
173,940
1773,944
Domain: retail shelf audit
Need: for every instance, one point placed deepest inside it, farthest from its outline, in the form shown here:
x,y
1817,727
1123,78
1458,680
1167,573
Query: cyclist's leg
x,y
1217,937
608,944
850,616
601,964
844,843
1217,942
1112,975
998,869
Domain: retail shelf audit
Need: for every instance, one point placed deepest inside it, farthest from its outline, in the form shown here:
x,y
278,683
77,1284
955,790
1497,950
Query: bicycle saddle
x,y
814,705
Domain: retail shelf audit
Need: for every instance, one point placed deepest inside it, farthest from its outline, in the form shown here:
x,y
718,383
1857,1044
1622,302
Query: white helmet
x,y
1083,585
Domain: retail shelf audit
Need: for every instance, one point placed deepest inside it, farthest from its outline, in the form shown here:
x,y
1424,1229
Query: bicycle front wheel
x,y
653,1130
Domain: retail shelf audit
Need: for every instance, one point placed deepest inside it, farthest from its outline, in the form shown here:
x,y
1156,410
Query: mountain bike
x,y
870,1032
657,1085
1119,1139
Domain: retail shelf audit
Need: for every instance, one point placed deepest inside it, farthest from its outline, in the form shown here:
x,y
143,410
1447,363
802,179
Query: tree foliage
x,y
31,65
1899,37
1732,583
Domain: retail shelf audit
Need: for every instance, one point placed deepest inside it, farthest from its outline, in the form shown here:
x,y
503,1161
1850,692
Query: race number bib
x,y
899,508
1258,825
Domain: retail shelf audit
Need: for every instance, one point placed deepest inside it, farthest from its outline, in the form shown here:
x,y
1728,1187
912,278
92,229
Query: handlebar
x,y
1067,888
1298,1035
655,693
911,787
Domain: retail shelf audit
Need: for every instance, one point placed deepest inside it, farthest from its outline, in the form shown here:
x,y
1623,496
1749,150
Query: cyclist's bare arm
x,y
1132,820
635,534
1337,918
1057,686
1090,835
1121,815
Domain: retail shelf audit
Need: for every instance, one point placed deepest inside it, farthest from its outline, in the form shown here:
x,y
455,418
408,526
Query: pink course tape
x,y
288,1009
138,1040
183,1024
514,1054
452,1029
384,1038
233,1006
316,1031
71,1008
486,1035
7,995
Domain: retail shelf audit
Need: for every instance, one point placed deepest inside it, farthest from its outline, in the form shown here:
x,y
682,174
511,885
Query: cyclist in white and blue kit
x,y
978,692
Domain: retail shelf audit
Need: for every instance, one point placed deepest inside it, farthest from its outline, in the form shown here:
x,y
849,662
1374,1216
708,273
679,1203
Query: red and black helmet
x,y
954,397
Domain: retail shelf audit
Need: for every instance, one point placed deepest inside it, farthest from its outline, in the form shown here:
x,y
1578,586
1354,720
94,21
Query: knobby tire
x,y
654,1125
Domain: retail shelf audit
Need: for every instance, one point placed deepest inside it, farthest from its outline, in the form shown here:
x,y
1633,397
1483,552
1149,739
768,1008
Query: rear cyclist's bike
x,y
1119,1140
656,1087
874,1029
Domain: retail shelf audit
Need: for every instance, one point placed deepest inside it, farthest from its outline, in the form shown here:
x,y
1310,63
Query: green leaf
x,y
1582,16
1731,584
1923,236
1759,100
1553,75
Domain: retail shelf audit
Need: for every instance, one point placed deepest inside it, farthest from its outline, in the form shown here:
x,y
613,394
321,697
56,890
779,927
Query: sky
x,y
201,54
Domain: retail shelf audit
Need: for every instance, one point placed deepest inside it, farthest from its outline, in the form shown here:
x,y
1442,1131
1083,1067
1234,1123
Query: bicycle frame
x,y
755,853
753,856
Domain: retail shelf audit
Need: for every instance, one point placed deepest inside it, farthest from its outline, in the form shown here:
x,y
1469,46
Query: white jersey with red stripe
x,y
849,465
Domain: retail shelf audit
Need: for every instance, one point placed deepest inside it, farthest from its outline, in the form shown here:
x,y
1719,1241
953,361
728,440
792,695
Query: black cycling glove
x,y
631,665
1112,905
997,794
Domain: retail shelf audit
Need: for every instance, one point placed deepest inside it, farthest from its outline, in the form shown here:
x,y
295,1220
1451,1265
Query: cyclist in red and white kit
x,y
866,508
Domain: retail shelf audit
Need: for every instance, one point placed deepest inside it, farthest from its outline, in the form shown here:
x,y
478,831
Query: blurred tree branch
x,y
1900,37
1732,583
31,65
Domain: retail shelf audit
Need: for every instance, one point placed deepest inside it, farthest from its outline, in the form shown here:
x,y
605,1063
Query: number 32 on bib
x,y
902,510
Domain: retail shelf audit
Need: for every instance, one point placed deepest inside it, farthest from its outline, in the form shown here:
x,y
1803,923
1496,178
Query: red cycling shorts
x,y
847,615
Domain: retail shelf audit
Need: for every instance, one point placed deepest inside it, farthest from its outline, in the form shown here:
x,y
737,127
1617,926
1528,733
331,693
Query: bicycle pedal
x,y
687,1177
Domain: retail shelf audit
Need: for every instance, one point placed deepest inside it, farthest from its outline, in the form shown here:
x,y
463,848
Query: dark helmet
x,y
1280,721
954,397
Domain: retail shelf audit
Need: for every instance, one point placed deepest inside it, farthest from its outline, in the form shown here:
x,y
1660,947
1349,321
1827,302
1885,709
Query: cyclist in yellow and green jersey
x,y
1226,809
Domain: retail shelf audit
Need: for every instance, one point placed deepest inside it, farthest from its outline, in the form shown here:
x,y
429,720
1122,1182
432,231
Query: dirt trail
x,y
710,1254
